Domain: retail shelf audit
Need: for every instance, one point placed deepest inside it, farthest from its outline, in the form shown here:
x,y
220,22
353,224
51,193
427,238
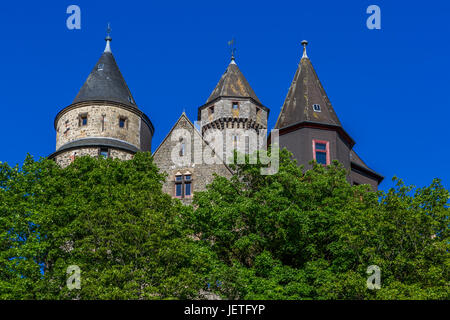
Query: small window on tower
x,y
122,122
258,114
235,109
316,108
104,153
210,113
83,119
321,152
100,66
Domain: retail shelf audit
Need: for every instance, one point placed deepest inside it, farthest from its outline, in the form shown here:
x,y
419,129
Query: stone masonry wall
x,y
223,109
102,121
202,174
234,125
65,158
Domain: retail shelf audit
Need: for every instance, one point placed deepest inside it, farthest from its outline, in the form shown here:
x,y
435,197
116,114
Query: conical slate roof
x,y
233,84
105,82
304,92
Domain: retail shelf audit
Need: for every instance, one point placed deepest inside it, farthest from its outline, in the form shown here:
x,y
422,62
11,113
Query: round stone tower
x,y
103,120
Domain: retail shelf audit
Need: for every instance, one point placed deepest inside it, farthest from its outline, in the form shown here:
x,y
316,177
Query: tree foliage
x,y
108,217
292,235
311,235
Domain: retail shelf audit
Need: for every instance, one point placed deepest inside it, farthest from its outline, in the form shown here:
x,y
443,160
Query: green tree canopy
x,y
291,235
312,235
108,217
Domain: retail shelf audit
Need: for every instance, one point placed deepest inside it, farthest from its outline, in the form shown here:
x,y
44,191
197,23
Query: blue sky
x,y
389,87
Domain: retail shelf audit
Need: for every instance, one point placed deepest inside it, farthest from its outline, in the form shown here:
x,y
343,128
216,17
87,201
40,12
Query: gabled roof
x,y
196,132
105,82
305,91
233,84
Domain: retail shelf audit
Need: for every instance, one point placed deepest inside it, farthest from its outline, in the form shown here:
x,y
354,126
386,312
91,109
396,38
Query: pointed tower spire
x,y
105,82
108,39
233,84
306,100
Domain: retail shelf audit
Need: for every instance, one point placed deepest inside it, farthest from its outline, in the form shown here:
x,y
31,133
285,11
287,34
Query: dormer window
x,y
316,108
100,66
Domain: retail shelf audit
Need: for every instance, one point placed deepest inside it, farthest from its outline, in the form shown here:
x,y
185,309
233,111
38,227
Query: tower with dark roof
x,y
103,119
235,110
310,129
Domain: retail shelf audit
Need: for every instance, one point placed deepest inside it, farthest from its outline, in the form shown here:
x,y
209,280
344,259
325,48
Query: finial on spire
x,y
304,44
233,49
108,39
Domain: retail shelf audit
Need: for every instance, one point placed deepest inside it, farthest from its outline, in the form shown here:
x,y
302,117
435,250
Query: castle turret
x,y
103,119
310,129
233,105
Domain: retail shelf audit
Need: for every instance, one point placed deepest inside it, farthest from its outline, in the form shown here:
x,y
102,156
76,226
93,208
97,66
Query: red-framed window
x,y
321,151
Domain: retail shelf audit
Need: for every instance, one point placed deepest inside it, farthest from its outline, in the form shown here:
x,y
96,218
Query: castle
x,y
104,120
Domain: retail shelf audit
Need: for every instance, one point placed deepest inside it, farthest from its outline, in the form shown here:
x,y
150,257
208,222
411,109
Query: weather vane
x,y
233,48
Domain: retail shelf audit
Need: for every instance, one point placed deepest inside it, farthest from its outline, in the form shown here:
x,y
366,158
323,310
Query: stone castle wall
x,y
67,157
102,121
244,123
202,173
223,110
